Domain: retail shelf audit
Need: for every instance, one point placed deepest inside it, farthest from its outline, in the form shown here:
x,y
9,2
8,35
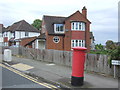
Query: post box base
x,y
77,81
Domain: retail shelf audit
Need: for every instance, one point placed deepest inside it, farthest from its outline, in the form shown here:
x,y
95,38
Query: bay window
x,y
80,26
78,43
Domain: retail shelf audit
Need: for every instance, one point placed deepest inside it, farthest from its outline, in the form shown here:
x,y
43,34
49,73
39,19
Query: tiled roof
x,y
51,20
2,28
22,26
26,40
42,36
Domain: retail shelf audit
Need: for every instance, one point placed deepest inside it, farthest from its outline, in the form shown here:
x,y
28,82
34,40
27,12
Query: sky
x,y
103,14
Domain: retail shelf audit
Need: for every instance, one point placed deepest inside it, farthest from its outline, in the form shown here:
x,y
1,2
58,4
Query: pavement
x,y
60,75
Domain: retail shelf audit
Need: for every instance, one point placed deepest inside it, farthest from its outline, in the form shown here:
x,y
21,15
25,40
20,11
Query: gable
x,y
77,16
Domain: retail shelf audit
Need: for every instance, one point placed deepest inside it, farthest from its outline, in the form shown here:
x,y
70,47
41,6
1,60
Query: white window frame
x,y
59,31
80,43
26,34
73,27
54,39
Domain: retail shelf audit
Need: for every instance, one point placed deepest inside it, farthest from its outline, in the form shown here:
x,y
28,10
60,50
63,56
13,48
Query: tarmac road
x,y
11,79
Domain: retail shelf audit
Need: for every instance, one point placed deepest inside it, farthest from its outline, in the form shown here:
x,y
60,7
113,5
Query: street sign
x,y
115,62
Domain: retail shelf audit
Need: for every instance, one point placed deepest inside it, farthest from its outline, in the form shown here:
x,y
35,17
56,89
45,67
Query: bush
x,y
98,51
115,54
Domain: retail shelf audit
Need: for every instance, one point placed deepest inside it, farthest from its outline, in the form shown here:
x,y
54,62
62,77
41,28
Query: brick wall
x,y
65,41
51,45
78,35
71,34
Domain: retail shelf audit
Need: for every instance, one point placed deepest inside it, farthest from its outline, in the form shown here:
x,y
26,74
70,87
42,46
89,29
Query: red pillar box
x,y
78,61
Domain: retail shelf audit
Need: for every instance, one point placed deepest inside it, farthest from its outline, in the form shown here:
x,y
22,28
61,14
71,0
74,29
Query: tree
x,y
99,47
37,23
110,45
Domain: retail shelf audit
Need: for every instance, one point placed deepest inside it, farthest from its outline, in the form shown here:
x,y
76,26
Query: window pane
x,y
72,43
83,26
73,26
57,27
79,43
61,28
76,43
76,25
82,43
26,33
80,25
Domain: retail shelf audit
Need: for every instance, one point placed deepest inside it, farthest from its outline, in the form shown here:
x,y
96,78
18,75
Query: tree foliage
x,y
99,47
113,50
37,23
110,45
115,53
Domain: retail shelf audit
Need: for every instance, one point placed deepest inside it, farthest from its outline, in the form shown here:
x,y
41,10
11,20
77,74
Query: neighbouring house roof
x,y
12,40
3,28
42,36
25,41
51,20
22,26
91,36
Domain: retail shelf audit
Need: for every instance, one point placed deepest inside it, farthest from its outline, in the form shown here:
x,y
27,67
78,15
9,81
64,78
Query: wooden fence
x,y
94,62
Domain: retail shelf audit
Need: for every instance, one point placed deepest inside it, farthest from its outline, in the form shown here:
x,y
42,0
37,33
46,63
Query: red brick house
x,y
63,33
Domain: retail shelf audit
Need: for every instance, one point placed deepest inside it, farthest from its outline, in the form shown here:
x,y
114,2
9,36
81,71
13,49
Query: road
x,y
14,79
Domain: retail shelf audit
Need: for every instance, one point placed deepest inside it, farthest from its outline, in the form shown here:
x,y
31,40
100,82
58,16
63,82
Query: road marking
x,y
21,66
29,77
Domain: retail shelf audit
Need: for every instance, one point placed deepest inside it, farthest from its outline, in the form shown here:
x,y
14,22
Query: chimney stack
x,y
1,25
84,11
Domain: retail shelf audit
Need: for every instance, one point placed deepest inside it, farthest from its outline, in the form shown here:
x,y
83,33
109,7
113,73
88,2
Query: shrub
x,y
115,54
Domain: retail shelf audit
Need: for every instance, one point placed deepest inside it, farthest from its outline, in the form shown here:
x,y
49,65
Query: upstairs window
x,y
59,28
26,34
79,26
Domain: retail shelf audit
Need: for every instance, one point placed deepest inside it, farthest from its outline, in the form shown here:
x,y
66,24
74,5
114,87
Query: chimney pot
x,y
84,11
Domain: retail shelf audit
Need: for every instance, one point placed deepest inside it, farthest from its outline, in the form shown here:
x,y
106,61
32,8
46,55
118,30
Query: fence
x,y
94,62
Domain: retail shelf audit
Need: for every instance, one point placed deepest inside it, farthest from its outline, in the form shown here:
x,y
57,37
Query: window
x,y
72,26
56,39
5,43
26,34
78,26
78,43
59,28
6,34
